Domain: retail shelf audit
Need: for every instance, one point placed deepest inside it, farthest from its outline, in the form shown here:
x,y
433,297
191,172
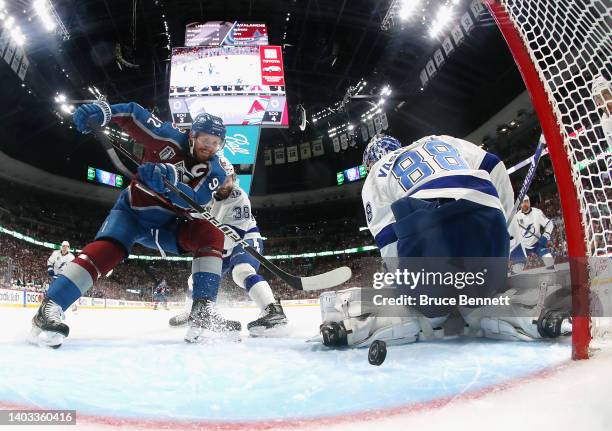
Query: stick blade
x,y
327,279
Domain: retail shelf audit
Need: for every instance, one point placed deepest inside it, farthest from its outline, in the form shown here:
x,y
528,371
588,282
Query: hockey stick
x,y
104,142
326,280
538,236
528,179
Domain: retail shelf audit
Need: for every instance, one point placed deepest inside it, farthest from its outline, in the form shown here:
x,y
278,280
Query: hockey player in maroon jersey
x,y
148,213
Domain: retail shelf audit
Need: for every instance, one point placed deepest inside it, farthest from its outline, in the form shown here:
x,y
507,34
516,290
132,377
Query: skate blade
x,y
206,336
274,332
42,338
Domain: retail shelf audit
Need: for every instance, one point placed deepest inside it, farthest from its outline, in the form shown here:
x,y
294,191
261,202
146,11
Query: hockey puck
x,y
377,352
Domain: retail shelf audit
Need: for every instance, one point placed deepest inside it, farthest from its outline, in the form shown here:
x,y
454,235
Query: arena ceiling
x,y
328,45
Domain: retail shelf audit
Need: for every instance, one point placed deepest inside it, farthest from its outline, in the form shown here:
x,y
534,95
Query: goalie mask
x,y
209,124
379,146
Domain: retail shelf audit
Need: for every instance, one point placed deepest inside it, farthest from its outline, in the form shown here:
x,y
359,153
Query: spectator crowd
x,y
290,231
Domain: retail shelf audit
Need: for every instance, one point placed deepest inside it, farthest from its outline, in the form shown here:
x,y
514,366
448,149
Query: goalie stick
x,y
528,178
326,280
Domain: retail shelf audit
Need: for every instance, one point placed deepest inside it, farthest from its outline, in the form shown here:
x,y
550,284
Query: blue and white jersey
x,y
434,167
235,212
57,261
531,225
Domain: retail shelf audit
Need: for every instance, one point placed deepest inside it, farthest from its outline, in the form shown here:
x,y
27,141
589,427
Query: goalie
x,y
439,197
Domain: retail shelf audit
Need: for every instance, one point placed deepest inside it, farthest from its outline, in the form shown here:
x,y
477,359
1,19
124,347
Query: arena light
x,y
407,7
60,98
443,17
68,109
43,10
17,36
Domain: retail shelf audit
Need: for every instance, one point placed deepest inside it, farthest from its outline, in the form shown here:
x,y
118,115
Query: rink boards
x,y
26,298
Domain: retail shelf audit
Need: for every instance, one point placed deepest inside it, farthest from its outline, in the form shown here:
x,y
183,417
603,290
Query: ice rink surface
x,y
129,367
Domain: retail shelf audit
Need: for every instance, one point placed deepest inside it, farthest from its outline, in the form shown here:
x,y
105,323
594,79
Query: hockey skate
x,y
47,326
206,322
271,323
179,319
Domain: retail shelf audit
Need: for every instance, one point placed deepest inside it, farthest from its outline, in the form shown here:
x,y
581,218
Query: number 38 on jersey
x,y
412,166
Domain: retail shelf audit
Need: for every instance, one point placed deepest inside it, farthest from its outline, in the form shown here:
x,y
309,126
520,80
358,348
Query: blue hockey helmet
x,y
378,146
210,124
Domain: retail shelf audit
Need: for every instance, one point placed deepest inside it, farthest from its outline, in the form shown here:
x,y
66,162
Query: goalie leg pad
x,y
349,321
519,321
392,330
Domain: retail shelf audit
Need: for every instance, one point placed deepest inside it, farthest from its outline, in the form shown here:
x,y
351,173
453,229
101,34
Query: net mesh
x,y
570,44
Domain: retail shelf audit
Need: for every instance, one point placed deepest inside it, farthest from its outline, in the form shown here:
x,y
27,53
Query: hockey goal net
x,y
563,49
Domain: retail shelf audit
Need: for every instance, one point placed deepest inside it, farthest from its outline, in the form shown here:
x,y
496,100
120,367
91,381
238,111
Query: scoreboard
x,y
227,69
244,85
217,33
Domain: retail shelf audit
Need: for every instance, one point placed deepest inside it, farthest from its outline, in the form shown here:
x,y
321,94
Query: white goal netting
x,y
570,44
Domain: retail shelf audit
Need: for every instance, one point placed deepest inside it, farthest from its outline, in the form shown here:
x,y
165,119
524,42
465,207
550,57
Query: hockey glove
x,y
50,272
90,115
152,175
543,241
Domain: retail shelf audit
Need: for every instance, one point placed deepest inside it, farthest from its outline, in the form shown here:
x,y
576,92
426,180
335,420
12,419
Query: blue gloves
x,y
87,115
50,271
543,241
152,175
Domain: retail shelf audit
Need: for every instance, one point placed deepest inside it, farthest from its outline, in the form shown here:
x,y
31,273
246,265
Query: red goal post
x,y
561,47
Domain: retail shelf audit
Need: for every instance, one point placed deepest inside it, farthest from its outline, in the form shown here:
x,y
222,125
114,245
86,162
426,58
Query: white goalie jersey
x,y
235,212
433,167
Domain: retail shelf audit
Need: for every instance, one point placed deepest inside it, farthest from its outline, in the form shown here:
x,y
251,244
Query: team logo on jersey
x,y
167,153
528,231
369,213
199,169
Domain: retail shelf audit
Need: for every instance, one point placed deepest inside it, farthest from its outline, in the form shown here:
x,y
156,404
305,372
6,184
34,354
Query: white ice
x,y
132,365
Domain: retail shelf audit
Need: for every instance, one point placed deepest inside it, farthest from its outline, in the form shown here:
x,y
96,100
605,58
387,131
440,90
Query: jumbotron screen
x,y
227,70
217,33
355,173
104,177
